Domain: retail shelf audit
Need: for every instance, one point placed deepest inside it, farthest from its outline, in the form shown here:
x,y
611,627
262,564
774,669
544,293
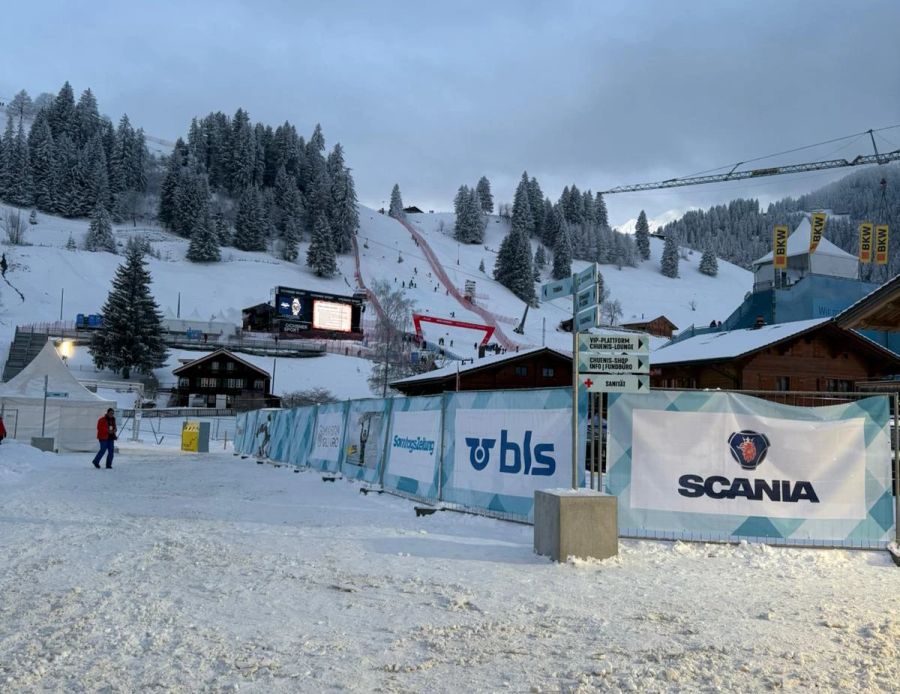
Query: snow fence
x,y
485,451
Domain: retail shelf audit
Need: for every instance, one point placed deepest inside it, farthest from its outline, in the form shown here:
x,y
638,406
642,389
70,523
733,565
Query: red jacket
x,y
106,428
2,429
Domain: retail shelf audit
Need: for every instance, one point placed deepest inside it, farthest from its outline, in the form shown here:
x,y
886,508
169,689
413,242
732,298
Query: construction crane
x,y
735,175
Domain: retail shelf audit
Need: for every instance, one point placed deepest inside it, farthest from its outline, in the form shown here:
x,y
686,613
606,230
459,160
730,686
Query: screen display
x,y
328,315
290,306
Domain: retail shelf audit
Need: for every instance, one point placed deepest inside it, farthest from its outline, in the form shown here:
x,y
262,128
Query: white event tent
x,y
72,410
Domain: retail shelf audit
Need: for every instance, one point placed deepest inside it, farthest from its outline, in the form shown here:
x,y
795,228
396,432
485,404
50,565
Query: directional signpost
x,y
602,362
609,383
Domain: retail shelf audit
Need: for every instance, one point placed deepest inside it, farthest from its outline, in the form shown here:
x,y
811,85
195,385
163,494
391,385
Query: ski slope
x,y
47,274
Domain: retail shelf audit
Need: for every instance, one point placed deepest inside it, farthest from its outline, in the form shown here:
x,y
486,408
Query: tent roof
x,y
798,244
29,383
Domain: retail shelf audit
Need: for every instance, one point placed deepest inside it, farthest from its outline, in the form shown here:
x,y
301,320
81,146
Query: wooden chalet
x,y
659,326
540,367
879,310
809,355
223,380
412,209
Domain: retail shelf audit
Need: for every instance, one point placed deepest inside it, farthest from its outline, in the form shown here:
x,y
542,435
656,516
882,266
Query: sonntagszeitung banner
x,y
328,437
414,446
502,446
727,466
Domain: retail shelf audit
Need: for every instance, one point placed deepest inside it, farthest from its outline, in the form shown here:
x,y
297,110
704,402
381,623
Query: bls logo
x,y
748,448
527,459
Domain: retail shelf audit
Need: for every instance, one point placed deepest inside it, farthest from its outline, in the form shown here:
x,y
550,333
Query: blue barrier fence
x,y
485,451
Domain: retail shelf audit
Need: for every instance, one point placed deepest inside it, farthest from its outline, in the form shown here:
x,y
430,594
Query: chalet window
x,y
229,366
259,384
209,382
838,385
234,383
184,382
214,365
783,383
548,372
521,371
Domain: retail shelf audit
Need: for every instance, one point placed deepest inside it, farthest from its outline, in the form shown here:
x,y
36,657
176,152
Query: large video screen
x,y
329,315
292,305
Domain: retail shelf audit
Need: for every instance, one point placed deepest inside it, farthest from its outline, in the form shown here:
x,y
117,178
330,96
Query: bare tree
x,y
391,338
312,396
14,225
611,310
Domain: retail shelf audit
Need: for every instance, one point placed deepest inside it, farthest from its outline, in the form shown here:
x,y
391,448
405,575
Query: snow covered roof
x,y
220,352
731,343
486,361
29,382
798,244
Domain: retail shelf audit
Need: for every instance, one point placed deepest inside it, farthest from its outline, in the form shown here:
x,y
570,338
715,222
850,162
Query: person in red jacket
x,y
106,435
2,430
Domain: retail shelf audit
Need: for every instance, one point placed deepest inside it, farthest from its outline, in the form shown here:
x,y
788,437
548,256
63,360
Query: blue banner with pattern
x,y
366,432
414,446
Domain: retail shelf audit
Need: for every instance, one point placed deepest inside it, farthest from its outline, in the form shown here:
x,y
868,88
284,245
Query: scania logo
x,y
748,448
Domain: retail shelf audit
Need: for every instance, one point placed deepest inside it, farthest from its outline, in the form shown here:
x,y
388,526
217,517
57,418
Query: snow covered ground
x,y
210,573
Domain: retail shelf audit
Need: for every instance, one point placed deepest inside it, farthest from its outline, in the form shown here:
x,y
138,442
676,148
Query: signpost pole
x,y
44,415
574,390
896,442
603,402
592,414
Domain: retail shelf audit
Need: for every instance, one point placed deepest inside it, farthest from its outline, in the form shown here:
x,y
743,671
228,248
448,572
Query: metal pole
x,y
178,310
592,414
603,403
574,390
62,294
44,416
896,467
544,332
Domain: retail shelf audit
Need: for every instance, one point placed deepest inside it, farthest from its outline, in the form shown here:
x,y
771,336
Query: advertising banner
x,y
301,434
240,426
818,228
501,446
865,242
414,446
261,438
367,423
328,437
881,244
724,466
283,421
779,246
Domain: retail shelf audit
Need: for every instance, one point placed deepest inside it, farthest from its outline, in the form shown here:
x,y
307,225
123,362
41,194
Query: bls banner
x,y
865,242
779,246
504,445
881,244
725,466
818,228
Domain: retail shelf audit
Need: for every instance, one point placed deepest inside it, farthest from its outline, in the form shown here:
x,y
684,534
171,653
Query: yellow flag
x,y
818,228
779,245
865,242
881,244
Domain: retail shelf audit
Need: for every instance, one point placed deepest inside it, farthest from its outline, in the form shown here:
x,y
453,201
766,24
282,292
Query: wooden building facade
x,y
223,380
659,326
540,367
816,355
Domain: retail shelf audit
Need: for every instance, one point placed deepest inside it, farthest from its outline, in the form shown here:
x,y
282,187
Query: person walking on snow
x,y
106,435
2,430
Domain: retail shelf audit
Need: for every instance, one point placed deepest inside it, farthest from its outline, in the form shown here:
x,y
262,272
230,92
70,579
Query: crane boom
x,y
759,173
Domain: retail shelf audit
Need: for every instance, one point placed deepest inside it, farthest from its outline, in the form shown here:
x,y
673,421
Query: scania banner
x,y
725,466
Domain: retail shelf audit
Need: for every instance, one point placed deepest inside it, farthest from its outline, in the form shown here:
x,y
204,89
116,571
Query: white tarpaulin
x,y
808,470
72,410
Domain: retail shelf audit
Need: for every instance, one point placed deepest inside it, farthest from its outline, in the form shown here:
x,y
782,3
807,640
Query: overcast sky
x,y
435,95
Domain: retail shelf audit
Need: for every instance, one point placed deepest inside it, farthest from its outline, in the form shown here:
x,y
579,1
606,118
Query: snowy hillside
x,y
46,272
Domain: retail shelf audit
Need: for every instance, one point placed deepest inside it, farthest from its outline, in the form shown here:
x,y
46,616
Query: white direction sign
x,y
609,383
589,274
605,362
554,290
586,297
589,318
608,341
